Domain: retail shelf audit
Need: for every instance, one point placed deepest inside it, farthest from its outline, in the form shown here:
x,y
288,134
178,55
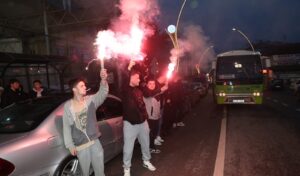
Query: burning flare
x,y
171,68
112,44
127,32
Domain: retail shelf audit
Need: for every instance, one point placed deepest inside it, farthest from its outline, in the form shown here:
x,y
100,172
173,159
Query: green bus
x,y
238,78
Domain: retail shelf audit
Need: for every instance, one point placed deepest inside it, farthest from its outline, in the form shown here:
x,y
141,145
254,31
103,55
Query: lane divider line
x,y
220,159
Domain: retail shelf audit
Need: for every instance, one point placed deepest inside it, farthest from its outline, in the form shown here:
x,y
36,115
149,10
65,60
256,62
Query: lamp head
x,y
171,29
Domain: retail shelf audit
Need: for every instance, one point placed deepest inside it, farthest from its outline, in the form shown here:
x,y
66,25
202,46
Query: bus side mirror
x,y
268,63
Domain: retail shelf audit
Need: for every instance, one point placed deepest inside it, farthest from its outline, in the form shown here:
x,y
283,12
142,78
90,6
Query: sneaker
x,y
160,139
180,124
156,142
148,165
154,151
174,125
126,171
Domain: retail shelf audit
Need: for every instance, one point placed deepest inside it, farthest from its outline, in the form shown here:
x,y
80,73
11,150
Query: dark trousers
x,y
168,119
153,125
178,112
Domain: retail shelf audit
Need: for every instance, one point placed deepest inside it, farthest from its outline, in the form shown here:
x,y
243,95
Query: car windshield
x,y
27,115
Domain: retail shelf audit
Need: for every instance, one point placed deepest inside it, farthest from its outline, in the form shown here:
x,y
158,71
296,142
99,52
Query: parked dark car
x,y
31,140
297,91
201,84
195,89
277,84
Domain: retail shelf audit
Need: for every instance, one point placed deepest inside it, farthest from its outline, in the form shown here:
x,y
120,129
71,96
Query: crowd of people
x,y
151,107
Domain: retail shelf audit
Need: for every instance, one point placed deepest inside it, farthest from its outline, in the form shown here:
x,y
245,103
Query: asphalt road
x,y
260,141
189,150
264,140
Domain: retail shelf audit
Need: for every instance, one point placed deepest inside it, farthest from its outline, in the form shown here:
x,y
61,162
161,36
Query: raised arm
x,y
102,93
152,93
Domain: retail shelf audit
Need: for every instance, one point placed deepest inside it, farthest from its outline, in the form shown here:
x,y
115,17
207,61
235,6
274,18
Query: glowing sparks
x,y
171,68
124,38
104,41
136,41
111,44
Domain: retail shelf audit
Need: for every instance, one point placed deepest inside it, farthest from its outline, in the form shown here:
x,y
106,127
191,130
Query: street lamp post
x,y
173,31
234,29
201,57
205,51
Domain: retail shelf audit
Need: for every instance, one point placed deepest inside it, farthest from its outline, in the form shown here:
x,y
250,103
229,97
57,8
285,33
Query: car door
x,y
110,125
115,120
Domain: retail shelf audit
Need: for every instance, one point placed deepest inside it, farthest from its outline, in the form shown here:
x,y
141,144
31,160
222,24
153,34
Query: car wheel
x,y
70,167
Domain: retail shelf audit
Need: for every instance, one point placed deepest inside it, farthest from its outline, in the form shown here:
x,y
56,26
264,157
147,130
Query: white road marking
x,y
220,160
284,104
268,98
275,100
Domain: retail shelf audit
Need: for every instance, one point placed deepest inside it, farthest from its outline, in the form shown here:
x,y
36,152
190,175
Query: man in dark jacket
x,y
177,99
12,94
135,122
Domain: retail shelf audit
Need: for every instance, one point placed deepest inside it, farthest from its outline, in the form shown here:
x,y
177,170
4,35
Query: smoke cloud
x,y
136,12
127,32
196,45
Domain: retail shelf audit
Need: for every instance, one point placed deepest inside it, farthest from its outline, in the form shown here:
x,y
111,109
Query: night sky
x,y
260,20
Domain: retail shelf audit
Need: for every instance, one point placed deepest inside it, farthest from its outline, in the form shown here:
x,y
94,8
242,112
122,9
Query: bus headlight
x,y
257,94
222,94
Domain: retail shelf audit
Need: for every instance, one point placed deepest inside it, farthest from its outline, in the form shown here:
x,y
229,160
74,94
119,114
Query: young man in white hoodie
x,y
152,93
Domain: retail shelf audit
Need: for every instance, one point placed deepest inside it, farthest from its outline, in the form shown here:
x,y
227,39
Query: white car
x,y
31,140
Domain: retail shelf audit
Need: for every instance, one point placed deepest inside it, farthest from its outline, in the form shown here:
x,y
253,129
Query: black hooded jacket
x,y
10,96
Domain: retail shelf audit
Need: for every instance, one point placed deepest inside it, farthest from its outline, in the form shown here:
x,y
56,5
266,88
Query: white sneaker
x,y
180,124
174,125
160,139
154,151
148,165
126,171
156,142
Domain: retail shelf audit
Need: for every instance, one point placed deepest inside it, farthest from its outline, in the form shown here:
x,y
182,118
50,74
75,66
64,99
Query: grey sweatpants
x,y
131,132
93,154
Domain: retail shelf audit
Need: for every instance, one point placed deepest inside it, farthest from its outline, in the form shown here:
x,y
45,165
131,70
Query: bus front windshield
x,y
240,68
